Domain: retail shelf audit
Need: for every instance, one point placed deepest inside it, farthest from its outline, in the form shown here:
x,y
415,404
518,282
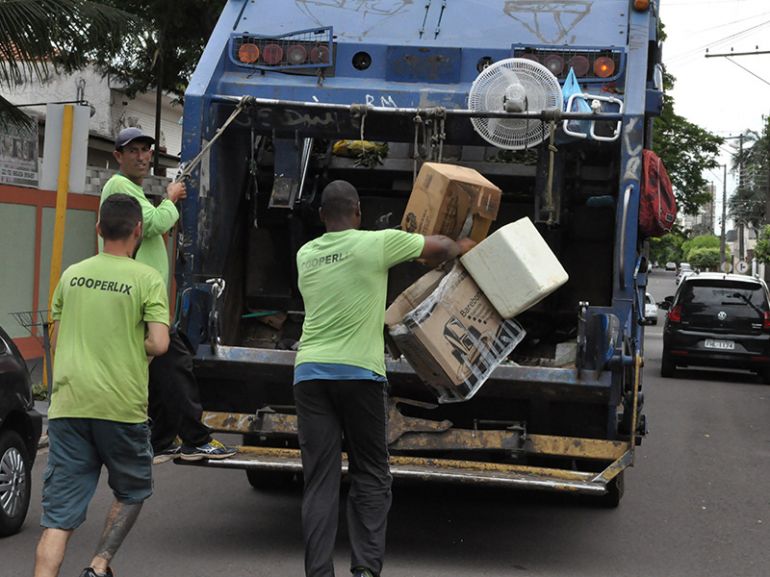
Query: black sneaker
x,y
211,450
362,572
165,455
89,572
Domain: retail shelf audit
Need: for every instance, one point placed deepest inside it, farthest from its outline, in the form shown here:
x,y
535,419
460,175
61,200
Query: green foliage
x,y
762,250
697,243
705,258
667,248
750,161
168,35
37,37
686,150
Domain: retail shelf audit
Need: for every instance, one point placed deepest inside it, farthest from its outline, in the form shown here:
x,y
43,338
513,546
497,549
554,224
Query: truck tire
x,y
271,480
615,490
667,367
15,476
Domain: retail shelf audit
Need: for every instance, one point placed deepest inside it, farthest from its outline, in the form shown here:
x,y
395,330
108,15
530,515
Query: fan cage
x,y
487,95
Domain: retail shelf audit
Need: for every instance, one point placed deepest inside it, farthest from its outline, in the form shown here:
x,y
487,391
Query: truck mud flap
x,y
442,470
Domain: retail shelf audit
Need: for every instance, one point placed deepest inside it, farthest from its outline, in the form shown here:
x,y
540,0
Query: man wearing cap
x,y
175,408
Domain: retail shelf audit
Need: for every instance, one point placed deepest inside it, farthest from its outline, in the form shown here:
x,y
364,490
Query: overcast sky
x,y
716,93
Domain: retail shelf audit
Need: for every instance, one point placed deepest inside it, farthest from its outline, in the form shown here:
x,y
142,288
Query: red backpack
x,y
657,203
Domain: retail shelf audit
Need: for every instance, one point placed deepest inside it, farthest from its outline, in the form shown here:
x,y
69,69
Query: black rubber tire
x,y
15,470
271,480
667,367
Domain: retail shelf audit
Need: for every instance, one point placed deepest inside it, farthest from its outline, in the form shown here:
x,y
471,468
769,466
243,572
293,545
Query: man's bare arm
x,y
157,339
439,248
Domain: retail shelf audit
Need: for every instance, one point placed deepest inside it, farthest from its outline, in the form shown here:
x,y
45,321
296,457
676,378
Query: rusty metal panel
x,y
576,448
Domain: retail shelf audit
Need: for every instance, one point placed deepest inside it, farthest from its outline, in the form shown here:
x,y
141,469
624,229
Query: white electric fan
x,y
513,85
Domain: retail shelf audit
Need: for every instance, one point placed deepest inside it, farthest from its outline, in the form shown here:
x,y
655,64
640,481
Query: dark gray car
x,y
20,429
718,320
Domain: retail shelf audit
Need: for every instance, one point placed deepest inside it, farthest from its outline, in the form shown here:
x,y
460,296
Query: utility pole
x,y
722,238
741,249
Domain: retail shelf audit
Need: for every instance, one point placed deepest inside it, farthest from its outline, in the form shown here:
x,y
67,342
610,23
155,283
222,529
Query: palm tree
x,y
41,36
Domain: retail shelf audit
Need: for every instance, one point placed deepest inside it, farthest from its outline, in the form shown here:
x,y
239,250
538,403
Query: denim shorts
x,y
77,450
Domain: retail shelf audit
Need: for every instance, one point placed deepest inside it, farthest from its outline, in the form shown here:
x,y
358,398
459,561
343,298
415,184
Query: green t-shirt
x,y
158,220
343,278
100,367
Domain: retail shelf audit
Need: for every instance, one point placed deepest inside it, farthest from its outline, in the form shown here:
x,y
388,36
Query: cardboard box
x,y
453,338
455,201
515,268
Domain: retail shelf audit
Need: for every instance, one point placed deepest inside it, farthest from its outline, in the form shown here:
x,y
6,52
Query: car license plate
x,y
720,344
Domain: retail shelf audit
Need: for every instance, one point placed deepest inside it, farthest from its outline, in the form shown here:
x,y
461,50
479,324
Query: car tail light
x,y
675,314
766,321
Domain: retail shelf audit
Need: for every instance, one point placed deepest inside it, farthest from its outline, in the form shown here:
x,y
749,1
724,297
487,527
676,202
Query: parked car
x,y
718,320
682,274
671,266
650,310
20,429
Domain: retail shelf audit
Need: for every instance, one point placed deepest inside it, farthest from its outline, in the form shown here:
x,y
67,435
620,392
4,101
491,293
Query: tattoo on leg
x,y
120,519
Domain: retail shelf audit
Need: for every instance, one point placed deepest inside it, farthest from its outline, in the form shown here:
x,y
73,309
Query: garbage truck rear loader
x,y
289,96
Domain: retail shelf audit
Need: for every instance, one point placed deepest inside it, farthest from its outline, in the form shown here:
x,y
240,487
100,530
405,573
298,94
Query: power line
x,y
747,70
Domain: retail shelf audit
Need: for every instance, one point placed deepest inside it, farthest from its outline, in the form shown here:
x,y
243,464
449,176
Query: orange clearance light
x,y
319,54
641,5
272,54
248,53
604,67
580,65
296,54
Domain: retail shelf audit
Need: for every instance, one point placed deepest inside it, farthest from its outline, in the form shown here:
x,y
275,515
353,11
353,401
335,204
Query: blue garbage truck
x,y
552,101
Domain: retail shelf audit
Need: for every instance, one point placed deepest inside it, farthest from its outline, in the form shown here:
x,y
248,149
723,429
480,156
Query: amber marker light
x,y
272,54
604,67
248,53
641,5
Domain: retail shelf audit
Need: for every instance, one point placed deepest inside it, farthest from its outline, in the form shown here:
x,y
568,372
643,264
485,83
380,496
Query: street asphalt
x,y
696,505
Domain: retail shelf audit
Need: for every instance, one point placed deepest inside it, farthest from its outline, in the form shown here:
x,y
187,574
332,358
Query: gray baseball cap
x,y
128,135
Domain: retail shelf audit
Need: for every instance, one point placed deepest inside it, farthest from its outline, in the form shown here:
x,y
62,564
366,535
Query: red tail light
x,y
766,321
675,314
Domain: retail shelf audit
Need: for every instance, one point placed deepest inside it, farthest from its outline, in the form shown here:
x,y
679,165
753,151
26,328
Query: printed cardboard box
x,y
455,201
454,338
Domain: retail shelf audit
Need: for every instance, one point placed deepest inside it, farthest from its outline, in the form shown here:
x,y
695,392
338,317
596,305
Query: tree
x,y
751,162
705,258
165,42
698,243
667,248
762,250
686,150
39,36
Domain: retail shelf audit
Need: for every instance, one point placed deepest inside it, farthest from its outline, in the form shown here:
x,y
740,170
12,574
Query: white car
x,y
650,310
683,274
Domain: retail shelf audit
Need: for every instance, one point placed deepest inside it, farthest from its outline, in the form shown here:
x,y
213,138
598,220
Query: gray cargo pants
x,y
326,410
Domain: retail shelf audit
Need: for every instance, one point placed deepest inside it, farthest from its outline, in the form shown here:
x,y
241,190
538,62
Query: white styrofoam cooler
x,y
515,268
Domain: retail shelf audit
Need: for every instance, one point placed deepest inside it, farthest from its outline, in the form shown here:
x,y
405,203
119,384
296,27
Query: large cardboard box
x,y
455,201
515,268
453,338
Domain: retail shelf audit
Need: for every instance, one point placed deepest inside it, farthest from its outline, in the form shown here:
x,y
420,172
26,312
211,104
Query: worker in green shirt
x,y
110,314
175,408
339,376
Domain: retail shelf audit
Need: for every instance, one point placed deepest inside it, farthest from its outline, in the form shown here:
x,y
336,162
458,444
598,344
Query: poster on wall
x,y
18,155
